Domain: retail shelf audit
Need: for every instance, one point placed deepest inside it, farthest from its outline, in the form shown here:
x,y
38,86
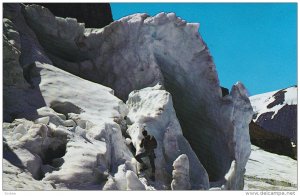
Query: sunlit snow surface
x,y
268,171
261,101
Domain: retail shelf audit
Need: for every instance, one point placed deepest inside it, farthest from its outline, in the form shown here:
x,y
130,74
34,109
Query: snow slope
x,y
269,171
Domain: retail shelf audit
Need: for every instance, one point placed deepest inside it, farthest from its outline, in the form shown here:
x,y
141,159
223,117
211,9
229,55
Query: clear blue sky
x,y
255,43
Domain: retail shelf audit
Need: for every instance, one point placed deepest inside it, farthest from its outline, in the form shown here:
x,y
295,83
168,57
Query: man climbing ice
x,y
149,143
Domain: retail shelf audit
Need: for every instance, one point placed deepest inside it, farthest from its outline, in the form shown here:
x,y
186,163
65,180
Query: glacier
x,y
66,85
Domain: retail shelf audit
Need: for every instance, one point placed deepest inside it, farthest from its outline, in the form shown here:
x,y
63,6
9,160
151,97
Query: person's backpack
x,y
150,142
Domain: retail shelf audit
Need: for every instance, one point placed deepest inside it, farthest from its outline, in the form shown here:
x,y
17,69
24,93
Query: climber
x,y
149,143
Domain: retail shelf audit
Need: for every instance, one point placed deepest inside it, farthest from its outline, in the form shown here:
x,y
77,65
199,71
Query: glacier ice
x,y
152,108
186,112
161,49
181,174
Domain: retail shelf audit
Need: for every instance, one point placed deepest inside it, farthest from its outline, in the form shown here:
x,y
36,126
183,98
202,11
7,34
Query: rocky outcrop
x,y
275,119
271,142
277,111
275,122
11,53
19,100
93,15
144,47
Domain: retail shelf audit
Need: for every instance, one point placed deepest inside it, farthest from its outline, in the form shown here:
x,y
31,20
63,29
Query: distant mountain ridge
x,y
275,119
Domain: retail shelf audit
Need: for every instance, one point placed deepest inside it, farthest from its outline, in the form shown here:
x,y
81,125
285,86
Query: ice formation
x,y
79,124
152,108
181,174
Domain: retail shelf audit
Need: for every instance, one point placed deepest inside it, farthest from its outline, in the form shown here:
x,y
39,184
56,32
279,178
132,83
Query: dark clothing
x,y
151,156
149,143
132,148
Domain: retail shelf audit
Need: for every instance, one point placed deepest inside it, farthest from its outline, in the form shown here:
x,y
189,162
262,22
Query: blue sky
x,y
255,43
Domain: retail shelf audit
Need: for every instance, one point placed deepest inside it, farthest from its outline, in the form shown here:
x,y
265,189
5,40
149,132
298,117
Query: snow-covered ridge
x,y
277,111
261,102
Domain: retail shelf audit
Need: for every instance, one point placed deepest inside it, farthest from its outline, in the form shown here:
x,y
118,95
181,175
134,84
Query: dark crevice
x,y
123,123
197,128
225,91
27,73
40,176
52,159
10,156
51,154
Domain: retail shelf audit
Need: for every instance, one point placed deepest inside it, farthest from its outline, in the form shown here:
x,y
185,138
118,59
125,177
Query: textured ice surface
x,y
138,51
268,171
135,52
152,108
181,173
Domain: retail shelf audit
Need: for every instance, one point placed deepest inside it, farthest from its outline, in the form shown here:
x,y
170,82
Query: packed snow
x,y
268,171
